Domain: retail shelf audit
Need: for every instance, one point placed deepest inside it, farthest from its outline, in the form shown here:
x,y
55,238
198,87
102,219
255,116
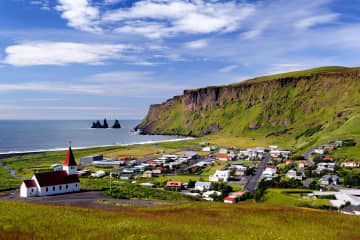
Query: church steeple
x,y
69,164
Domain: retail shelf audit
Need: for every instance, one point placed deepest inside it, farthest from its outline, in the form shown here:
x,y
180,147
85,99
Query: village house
x,y
208,196
174,184
223,151
51,183
203,186
227,157
351,210
301,164
220,176
269,172
98,174
319,151
289,162
328,179
232,199
349,164
206,149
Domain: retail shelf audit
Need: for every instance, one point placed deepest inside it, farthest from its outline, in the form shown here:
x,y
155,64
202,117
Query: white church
x,y
51,183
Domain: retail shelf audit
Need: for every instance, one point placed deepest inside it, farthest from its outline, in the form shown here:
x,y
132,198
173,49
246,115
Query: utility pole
x,y
110,181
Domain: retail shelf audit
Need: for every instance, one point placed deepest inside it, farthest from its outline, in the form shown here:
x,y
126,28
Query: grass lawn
x,y
183,179
212,169
7,181
199,220
282,197
347,153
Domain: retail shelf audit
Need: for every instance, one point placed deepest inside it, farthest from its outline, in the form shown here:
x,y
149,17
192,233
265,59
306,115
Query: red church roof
x,y
70,160
30,183
55,178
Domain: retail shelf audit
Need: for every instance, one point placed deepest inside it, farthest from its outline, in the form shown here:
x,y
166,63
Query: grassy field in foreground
x,y
187,221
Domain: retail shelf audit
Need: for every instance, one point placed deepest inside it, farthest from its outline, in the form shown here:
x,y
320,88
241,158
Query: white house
x,y
209,194
319,151
220,176
206,149
349,164
98,174
51,183
203,186
223,151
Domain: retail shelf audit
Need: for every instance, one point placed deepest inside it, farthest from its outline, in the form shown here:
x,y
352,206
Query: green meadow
x,y
194,221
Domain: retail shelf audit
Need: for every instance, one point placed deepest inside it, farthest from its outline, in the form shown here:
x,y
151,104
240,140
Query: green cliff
x,y
296,106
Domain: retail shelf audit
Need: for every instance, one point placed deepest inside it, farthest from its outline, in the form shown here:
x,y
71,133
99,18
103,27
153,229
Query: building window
x,y
54,188
75,185
60,187
47,189
67,186
32,190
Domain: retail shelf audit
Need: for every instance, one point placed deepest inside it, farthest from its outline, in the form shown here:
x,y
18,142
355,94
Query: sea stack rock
x,y
96,124
105,124
116,124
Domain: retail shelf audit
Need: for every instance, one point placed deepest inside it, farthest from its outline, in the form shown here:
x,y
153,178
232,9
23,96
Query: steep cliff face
x,y
288,104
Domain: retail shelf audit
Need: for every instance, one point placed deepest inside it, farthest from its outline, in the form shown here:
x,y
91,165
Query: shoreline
x,y
10,154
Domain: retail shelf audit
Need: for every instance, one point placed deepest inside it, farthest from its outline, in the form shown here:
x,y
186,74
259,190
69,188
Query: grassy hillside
x,y
298,108
187,221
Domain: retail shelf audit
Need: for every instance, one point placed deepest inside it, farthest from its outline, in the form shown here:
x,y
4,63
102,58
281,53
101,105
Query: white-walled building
x,y
220,176
51,183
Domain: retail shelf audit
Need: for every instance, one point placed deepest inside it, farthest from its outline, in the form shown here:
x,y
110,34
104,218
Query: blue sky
x,y
89,59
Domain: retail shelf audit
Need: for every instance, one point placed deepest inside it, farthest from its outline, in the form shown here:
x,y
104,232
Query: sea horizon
x,y
26,136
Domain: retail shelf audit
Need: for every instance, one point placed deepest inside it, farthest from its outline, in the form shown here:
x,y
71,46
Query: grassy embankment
x,y
187,221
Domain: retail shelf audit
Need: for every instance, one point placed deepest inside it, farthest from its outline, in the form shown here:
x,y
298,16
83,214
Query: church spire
x,y
70,160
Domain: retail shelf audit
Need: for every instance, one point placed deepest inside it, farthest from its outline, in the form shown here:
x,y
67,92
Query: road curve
x,y
309,152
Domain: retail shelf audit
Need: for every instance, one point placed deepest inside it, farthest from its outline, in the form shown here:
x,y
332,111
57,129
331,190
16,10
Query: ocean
x,y
17,136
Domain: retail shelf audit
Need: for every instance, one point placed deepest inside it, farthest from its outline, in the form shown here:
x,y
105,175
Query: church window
x,y
54,188
60,187
67,186
47,189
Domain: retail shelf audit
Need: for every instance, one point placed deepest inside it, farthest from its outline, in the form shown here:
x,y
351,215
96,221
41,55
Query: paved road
x,y
254,180
308,152
85,199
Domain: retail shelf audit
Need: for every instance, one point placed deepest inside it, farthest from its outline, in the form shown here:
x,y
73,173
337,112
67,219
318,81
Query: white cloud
x,y
120,77
21,107
202,43
316,20
58,87
286,67
62,53
129,84
80,14
169,18
228,68
43,99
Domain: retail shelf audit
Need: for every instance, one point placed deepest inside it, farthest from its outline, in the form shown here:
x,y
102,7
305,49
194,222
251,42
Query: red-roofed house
x,y
174,184
50,183
328,158
289,162
230,199
224,157
349,164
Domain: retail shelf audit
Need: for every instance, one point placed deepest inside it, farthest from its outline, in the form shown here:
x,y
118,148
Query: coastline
x,y
10,154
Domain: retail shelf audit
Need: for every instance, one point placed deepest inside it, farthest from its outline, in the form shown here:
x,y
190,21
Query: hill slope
x,y
297,107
